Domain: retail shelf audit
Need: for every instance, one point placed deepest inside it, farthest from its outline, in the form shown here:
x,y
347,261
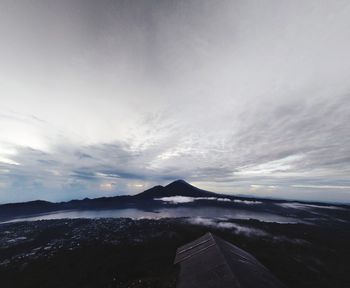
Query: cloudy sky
x,y
111,97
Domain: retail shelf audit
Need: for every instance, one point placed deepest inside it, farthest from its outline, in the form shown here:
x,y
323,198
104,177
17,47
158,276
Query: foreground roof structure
x,y
213,262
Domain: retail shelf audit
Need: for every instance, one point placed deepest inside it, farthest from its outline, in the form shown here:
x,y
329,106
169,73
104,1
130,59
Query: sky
x,y
111,97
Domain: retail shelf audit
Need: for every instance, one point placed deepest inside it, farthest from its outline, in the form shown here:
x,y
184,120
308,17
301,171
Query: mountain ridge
x,y
175,188
144,200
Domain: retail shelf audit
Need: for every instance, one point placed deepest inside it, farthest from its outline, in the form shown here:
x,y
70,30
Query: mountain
x,y
145,201
27,208
176,188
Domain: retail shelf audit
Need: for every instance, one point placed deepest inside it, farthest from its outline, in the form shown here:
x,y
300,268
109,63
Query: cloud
x,y
237,229
270,167
8,161
107,186
226,95
185,199
322,186
249,202
303,206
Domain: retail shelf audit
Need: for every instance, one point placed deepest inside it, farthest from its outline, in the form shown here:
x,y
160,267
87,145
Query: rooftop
x,y
210,261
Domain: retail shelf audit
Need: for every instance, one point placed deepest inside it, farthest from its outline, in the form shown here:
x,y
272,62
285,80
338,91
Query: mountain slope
x,y
176,188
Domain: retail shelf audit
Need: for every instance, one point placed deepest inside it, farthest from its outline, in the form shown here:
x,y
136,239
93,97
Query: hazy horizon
x,y
102,98
185,199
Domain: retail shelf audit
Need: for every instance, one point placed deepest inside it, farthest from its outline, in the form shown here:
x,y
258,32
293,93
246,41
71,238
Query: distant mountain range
x,y
146,200
176,188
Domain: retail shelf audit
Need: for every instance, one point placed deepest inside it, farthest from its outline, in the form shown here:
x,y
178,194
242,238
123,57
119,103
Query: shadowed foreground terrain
x,y
140,253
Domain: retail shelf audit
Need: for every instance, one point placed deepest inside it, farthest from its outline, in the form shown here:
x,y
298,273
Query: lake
x,y
176,212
